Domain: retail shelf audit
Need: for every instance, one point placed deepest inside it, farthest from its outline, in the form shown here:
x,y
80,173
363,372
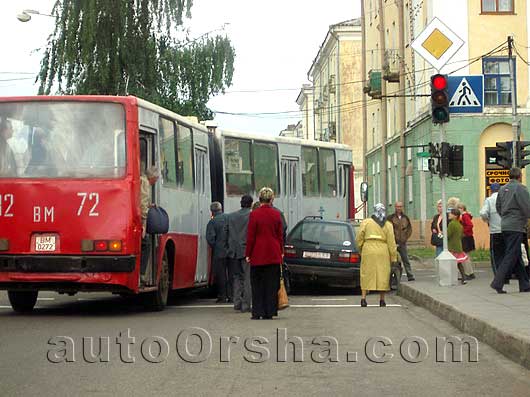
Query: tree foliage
x,y
122,47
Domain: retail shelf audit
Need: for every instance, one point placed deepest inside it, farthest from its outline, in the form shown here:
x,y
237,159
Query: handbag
x,y
437,239
283,299
157,221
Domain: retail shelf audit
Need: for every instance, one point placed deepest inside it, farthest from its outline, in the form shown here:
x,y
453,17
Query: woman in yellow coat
x,y
377,245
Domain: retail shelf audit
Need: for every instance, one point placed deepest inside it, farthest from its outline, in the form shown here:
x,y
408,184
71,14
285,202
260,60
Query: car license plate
x,y
316,255
45,243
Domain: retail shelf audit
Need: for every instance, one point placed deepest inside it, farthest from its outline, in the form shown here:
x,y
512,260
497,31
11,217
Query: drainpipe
x,y
364,101
402,104
384,116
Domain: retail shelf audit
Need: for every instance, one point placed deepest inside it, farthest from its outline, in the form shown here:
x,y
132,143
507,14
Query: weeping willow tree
x,y
122,47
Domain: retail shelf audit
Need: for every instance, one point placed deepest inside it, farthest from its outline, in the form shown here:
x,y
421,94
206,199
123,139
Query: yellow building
x,y
331,106
398,105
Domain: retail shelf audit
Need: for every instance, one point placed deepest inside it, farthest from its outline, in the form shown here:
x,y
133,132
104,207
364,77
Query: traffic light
x,y
456,161
439,99
521,154
445,153
505,154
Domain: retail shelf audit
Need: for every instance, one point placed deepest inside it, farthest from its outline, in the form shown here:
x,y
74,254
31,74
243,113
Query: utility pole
x,y
402,104
515,123
384,134
364,101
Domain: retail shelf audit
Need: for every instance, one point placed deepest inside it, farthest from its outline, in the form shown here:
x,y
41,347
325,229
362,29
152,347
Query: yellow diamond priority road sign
x,y
437,43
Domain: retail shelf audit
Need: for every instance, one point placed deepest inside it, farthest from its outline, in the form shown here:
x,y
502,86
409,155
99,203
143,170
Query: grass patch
x,y
480,255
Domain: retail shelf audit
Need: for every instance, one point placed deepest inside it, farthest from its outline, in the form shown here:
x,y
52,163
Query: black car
x,y
324,251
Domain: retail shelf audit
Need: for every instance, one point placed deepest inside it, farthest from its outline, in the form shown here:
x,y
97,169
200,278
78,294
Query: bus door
x,y
203,212
148,159
347,206
291,191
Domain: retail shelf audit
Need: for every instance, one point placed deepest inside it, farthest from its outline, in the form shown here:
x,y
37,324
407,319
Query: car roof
x,y
327,221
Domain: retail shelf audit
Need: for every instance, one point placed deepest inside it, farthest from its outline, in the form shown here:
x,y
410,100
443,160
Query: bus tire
x,y
22,301
157,300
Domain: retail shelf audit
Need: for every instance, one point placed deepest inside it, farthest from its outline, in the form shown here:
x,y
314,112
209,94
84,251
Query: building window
x,y
497,88
497,6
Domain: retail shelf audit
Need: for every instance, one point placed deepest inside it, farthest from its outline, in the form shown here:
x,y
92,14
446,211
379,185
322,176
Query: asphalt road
x,y
30,343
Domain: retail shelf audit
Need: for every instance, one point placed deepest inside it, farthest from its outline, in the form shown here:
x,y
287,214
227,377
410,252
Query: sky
x,y
275,42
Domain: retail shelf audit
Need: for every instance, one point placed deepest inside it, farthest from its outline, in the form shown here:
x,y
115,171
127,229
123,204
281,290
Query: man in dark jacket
x,y
513,205
237,243
216,235
402,232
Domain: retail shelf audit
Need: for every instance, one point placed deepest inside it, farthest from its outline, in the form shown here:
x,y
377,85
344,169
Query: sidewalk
x,y
501,321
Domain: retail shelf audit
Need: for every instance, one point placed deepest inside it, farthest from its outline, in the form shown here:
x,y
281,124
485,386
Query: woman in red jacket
x,y
264,252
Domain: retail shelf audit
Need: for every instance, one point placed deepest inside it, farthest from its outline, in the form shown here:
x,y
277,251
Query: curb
x,y
511,346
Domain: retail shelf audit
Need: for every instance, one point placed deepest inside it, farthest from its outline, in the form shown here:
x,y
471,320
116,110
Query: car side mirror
x,y
364,192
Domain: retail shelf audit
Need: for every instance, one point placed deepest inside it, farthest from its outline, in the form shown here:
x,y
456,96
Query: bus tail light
x,y
289,251
349,257
115,245
101,245
4,244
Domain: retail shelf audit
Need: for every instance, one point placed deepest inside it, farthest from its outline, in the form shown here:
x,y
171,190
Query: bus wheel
x,y
157,300
22,301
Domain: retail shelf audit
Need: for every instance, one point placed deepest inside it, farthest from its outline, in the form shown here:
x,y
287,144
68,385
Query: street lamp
x,y
25,16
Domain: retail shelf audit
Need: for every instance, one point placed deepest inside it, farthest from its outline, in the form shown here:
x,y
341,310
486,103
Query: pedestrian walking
x,y
402,232
377,244
237,243
489,214
217,237
513,205
437,230
468,240
264,252
455,232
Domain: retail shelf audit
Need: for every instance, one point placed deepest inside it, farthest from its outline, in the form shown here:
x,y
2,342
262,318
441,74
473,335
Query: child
x,y
455,231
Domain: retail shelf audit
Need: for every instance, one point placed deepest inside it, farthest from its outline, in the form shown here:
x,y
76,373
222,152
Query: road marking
x,y
45,299
329,299
294,306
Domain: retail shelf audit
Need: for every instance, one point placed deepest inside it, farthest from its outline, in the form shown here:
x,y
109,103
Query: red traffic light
x,y
439,81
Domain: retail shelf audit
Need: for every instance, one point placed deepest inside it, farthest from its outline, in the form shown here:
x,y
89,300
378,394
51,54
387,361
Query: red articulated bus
x,y
70,221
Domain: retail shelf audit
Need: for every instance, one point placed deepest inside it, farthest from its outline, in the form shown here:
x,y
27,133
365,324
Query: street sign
x,y
466,94
423,154
437,43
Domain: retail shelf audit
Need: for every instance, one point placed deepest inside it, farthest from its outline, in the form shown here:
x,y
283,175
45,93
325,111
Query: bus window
x,y
167,153
66,139
185,158
237,167
310,171
266,166
328,175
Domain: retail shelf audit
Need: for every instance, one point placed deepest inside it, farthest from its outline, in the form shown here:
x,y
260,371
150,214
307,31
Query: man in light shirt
x,y
489,214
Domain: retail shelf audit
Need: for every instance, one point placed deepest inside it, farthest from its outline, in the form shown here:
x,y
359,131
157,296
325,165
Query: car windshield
x,y
62,140
323,233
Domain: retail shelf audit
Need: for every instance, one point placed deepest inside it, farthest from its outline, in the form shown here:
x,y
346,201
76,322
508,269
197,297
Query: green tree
x,y
122,47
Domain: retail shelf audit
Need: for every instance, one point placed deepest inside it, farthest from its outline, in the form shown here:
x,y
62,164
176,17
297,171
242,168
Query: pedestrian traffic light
x,y
521,154
504,154
439,99
456,161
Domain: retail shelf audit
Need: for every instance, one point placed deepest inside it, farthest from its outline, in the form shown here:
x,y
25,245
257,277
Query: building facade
x,y
331,106
398,103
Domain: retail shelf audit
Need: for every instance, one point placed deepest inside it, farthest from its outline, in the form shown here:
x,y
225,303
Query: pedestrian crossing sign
x,y
466,94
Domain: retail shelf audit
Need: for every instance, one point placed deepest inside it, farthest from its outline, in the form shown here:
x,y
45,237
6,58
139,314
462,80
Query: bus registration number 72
x,y
45,243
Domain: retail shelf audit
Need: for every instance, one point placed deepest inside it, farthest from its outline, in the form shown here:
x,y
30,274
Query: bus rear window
x,y
62,140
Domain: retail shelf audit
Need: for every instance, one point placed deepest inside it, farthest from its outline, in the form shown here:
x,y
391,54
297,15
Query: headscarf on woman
x,y
379,215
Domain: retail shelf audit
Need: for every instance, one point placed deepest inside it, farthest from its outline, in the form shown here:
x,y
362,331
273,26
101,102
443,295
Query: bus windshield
x,y
62,140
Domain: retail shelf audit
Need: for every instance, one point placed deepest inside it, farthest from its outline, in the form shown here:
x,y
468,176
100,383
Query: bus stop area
x,y
501,321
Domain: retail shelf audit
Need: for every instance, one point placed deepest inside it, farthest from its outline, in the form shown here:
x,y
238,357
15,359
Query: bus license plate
x,y
317,255
45,243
